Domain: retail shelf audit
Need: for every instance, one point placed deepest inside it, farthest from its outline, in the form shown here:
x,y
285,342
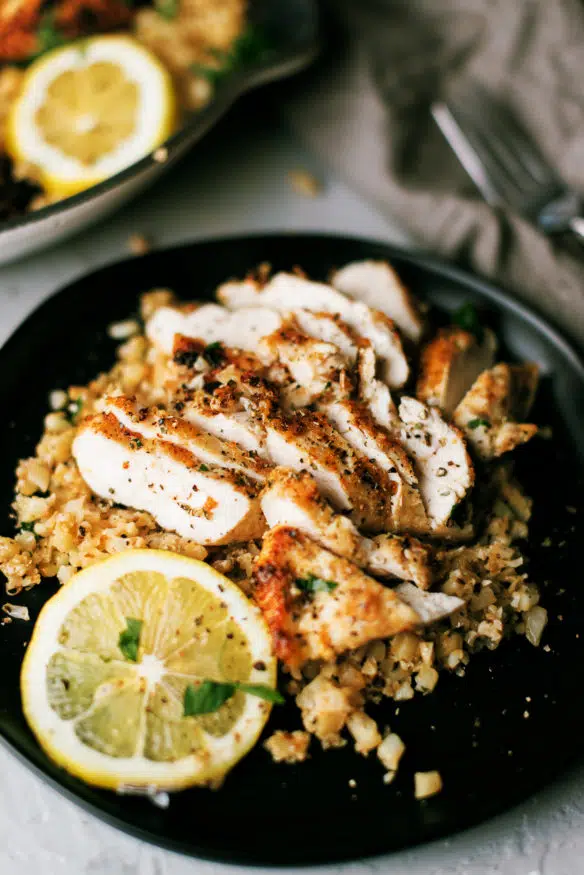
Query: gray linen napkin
x,y
367,113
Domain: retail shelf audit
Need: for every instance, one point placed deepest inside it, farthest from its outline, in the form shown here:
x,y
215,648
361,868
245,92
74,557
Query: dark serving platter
x,y
496,735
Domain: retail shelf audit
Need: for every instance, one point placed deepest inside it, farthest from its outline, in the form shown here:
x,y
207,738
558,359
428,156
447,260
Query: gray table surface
x,y
233,187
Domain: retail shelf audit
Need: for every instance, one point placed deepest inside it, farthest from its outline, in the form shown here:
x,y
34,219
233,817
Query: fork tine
x,y
474,148
512,132
514,170
500,161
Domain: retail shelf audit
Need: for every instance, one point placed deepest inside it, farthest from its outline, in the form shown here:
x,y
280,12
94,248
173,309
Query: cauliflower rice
x,y
62,527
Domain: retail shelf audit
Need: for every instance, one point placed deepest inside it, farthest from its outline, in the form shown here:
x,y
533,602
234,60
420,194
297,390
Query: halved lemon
x,y
89,110
119,653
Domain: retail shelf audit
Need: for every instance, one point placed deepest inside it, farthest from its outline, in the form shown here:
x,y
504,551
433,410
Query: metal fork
x,y
504,162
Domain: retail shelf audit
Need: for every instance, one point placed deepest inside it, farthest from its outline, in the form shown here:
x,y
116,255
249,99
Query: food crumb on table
x,y
139,244
305,183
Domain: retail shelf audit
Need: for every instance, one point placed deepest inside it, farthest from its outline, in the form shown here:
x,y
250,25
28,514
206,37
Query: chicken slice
x,y
153,424
292,499
440,456
285,292
211,324
354,422
374,393
376,284
230,403
204,503
430,606
449,365
491,412
331,329
307,441
312,364
317,604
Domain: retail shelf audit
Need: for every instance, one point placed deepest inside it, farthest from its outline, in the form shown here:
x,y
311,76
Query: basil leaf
x,y
263,692
476,423
206,698
467,318
129,639
313,584
210,695
168,9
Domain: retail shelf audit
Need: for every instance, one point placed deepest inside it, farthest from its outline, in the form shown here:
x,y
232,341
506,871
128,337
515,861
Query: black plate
x,y
475,729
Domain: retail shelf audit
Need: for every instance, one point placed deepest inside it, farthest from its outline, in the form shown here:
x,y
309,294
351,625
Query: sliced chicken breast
x,y
154,424
313,365
376,284
212,324
491,412
356,425
204,503
440,456
430,606
317,604
331,329
292,499
231,403
306,441
285,292
449,365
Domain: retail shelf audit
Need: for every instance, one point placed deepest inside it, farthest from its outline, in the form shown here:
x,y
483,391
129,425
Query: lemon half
x,y
115,718
89,110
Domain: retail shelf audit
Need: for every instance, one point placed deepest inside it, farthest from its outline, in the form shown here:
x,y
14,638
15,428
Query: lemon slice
x,y
109,705
89,110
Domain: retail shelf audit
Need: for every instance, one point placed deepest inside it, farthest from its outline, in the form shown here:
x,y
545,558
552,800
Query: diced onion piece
x,y
535,622
427,784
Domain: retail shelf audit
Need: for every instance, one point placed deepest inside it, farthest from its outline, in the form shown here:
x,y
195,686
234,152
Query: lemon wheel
x,y
89,110
120,654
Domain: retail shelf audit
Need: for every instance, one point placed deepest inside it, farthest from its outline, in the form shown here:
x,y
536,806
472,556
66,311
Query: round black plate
x,y
496,735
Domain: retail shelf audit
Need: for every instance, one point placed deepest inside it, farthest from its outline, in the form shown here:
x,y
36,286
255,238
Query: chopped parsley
x,y
136,443
203,467
467,318
73,409
251,47
168,9
29,527
210,695
129,639
49,36
476,423
313,584
213,354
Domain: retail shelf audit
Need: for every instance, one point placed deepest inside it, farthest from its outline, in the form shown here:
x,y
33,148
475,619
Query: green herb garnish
x,y
314,584
48,35
29,527
476,423
168,9
203,467
213,353
129,639
136,443
73,409
251,47
467,318
210,695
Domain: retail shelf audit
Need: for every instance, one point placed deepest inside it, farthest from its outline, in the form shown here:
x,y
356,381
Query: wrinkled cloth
x,y
366,111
